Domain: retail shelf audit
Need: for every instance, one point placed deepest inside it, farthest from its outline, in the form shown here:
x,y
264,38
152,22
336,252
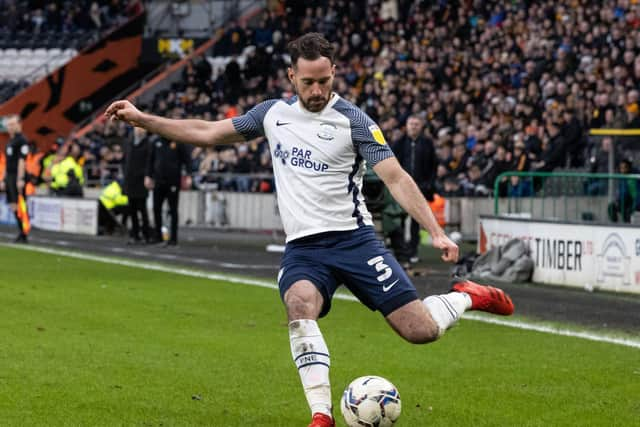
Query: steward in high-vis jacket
x,y
67,178
113,204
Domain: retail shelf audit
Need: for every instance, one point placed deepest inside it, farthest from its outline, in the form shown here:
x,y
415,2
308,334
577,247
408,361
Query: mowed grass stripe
x,y
513,322
95,344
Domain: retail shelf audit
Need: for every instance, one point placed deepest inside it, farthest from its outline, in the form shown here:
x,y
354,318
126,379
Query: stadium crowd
x,y
48,24
55,23
499,85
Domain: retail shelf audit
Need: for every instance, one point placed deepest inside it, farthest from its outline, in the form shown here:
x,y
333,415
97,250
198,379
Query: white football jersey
x,y
318,162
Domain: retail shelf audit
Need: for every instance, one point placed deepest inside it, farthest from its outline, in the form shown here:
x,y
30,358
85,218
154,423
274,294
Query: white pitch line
x,y
140,253
529,326
242,266
518,324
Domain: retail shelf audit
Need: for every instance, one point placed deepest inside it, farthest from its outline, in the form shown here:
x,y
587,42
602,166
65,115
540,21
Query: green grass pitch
x,y
84,343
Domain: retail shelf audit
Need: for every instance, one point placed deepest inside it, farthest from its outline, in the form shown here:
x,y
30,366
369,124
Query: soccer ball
x,y
371,402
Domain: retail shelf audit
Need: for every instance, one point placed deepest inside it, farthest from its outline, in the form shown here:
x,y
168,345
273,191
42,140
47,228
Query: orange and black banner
x,y
53,106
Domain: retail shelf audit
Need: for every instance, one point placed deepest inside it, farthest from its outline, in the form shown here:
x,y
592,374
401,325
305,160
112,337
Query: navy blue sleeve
x,y
367,136
249,125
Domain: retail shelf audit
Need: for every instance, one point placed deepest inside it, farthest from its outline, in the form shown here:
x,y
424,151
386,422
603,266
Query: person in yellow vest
x,y
67,177
48,159
113,204
58,157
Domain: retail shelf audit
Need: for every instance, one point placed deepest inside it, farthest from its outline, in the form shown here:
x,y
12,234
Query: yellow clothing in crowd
x,y
60,173
112,196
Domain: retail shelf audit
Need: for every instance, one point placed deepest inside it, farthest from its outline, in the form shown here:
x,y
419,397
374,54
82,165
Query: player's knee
x,y
301,304
423,334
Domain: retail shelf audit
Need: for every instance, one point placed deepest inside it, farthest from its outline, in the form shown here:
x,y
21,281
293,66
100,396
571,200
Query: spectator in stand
x,y
226,159
553,148
207,168
533,140
61,24
519,186
104,158
627,194
136,153
599,163
243,166
501,163
417,156
475,184
166,164
572,134
114,164
633,121
62,17
451,187
459,157
91,166
490,70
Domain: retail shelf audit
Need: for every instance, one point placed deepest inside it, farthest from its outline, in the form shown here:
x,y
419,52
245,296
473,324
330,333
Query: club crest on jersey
x,y
300,158
326,131
377,134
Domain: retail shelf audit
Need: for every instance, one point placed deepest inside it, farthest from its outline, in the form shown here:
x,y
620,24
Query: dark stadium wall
x,y
53,106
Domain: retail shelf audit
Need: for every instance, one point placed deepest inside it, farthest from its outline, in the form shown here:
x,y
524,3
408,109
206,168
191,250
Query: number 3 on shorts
x,y
379,264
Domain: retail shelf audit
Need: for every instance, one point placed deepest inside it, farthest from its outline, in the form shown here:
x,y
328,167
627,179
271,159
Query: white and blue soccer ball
x,y
370,401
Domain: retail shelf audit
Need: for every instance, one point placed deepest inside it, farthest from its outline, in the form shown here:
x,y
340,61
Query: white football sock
x,y
447,309
311,356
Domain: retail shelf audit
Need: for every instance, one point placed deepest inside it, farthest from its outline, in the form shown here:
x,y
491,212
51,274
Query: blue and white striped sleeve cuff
x,y
375,153
249,125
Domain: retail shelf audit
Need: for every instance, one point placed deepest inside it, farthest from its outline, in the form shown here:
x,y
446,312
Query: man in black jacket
x,y
136,153
164,171
572,134
417,156
554,149
16,152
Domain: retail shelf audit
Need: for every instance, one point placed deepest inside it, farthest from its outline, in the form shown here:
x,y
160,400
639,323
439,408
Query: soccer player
x,y
320,144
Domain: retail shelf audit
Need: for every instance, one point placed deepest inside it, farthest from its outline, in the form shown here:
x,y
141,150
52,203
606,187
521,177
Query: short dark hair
x,y
310,46
627,162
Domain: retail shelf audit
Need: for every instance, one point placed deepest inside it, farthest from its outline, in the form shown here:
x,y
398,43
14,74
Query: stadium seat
x,y
54,52
70,52
25,52
19,62
40,52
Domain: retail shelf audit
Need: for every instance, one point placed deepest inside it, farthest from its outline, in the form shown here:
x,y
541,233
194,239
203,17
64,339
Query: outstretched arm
x,y
406,192
190,131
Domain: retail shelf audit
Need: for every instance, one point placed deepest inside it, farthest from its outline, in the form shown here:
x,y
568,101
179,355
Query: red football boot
x,y
486,298
322,420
